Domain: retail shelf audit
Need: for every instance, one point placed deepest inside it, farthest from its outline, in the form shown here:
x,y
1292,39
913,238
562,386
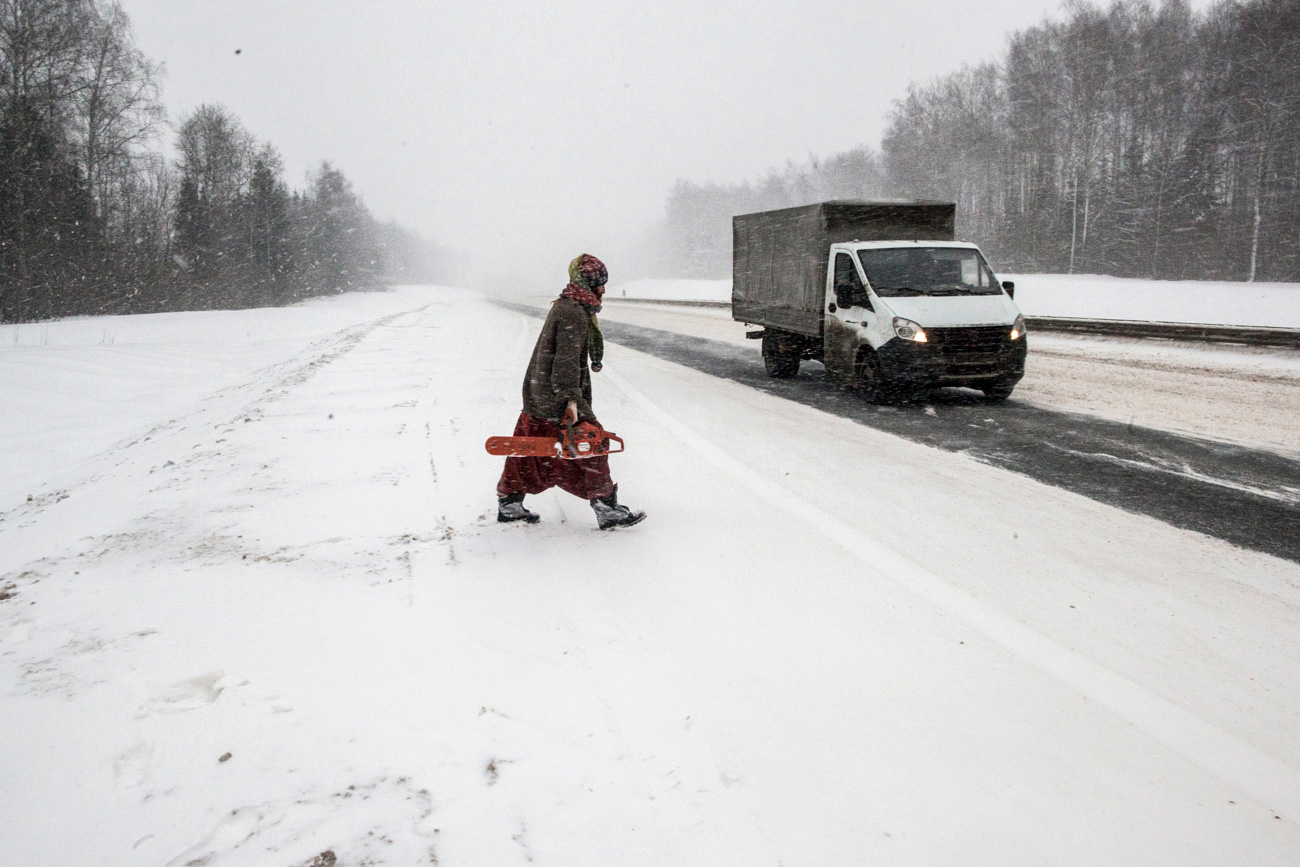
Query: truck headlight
x,y
1018,329
909,330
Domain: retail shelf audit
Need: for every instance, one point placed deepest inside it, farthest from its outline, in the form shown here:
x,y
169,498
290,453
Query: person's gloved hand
x,y
589,427
570,415
596,367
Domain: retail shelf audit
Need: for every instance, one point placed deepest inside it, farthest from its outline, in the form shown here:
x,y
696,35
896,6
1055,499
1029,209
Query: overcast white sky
x,y
535,131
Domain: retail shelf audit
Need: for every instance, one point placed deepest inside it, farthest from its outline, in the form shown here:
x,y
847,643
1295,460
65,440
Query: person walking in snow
x,y
557,390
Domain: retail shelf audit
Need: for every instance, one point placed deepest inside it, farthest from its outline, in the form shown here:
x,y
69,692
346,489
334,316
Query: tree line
x,y
694,238
95,219
1133,140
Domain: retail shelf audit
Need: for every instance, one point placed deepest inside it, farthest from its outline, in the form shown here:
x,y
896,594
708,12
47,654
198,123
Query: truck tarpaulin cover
x,y
779,257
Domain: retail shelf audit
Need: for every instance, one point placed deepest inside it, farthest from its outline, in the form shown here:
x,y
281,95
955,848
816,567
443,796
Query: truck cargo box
x,y
779,257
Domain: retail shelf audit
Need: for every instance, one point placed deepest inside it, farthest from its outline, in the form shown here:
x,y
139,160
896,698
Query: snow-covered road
x,y
279,620
1249,497
1232,394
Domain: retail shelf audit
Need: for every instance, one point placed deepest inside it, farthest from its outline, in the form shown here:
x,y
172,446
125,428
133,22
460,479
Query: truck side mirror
x,y
1010,287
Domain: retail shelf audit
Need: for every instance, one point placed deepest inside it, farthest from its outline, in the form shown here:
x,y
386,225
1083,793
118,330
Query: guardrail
x,y
1240,334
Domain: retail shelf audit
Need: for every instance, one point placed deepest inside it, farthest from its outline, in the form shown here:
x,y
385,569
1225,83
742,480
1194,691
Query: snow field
x,y
80,385
170,538
735,681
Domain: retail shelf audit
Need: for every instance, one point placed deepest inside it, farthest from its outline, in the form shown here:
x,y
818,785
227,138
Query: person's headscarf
x,y
587,279
589,273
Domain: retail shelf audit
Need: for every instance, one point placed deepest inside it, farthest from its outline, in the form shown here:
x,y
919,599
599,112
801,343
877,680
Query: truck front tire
x,y
780,355
871,381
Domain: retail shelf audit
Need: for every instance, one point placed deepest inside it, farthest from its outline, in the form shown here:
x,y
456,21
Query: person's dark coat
x,y
557,372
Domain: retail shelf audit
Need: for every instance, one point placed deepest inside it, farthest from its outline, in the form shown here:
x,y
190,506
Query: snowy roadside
x,y
74,387
1236,395
826,646
1212,302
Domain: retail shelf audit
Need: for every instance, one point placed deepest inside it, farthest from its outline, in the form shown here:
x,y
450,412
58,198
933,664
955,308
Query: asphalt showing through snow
x,y
1248,497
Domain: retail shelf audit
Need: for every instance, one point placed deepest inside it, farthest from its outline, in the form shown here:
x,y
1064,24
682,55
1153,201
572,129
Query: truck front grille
x,y
974,351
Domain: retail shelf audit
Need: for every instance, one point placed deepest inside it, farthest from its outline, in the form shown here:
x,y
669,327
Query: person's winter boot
x,y
609,514
511,508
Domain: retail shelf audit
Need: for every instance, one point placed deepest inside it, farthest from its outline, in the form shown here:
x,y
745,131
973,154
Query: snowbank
x,y
1084,296
1089,296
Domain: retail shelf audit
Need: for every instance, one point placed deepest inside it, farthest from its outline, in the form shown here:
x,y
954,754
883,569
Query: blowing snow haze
x,y
958,531
523,133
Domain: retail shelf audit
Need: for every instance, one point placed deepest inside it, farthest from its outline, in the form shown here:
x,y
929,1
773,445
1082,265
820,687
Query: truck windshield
x,y
899,271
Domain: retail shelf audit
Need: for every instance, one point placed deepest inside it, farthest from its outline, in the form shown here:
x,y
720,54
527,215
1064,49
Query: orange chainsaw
x,y
585,441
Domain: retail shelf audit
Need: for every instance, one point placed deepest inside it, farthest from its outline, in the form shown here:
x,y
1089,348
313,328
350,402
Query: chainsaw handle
x,y
610,439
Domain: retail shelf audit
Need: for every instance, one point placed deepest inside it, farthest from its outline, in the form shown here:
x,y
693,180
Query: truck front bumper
x,y
971,357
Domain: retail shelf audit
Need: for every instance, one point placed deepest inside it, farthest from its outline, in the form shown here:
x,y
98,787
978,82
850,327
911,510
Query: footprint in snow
x,y
17,633
194,693
381,822
131,767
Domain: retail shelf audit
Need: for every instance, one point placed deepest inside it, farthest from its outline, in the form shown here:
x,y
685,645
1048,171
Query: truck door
x,y
848,315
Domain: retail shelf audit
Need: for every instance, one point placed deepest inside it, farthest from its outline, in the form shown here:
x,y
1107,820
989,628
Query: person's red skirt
x,y
586,477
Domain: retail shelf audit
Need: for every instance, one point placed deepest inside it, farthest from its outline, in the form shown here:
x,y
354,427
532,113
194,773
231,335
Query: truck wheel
x,y
870,380
779,357
997,392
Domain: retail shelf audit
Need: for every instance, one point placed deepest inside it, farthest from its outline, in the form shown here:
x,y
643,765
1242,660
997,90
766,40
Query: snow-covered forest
x,y
1135,141
98,219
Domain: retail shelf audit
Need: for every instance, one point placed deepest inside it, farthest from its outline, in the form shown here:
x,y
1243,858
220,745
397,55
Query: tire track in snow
x,y
1236,762
285,375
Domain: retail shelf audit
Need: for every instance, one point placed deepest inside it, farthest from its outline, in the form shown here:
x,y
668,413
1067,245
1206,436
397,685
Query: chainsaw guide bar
x,y
572,444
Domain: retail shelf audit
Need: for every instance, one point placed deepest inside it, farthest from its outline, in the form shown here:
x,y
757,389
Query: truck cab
x,y
880,292
906,316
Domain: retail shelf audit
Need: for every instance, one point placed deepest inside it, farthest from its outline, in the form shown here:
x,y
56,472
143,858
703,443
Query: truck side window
x,y
849,290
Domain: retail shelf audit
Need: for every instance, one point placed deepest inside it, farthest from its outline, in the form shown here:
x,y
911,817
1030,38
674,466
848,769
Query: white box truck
x,y
880,293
